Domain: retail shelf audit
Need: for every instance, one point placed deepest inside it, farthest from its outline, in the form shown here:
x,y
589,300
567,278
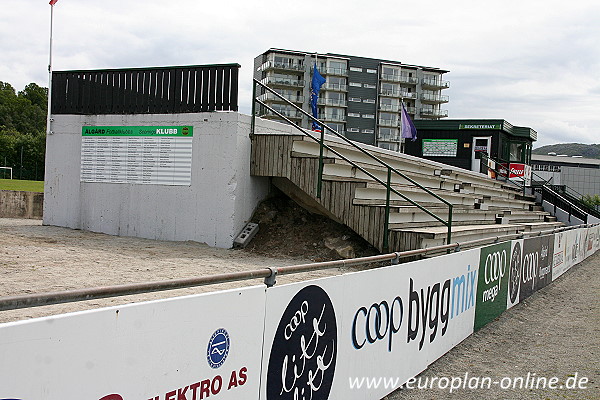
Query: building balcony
x,y
399,78
335,86
397,93
332,102
434,98
389,138
271,97
274,81
389,107
328,117
292,114
389,122
430,83
272,65
429,113
334,71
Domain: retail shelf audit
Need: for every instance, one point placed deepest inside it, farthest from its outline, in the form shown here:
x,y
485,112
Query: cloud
x,y
534,64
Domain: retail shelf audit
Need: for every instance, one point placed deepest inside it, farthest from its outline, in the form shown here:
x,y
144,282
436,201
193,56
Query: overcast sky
x,y
531,62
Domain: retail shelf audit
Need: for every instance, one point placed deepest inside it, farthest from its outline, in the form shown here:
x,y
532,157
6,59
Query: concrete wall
x,y
582,180
16,204
561,215
212,210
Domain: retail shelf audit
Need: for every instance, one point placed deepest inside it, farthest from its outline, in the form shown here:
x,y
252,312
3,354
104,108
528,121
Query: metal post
x,y
253,120
449,235
386,223
49,113
320,176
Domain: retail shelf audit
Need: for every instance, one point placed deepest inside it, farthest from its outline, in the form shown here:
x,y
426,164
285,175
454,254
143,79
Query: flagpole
x,y
401,114
49,119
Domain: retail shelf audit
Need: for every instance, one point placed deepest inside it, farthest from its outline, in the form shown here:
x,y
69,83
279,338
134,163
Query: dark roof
x,y
432,69
566,161
476,124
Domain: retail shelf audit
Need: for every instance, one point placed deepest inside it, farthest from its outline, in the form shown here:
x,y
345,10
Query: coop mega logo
x,y
492,286
304,351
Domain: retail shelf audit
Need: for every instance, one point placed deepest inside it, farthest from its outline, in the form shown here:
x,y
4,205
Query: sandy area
x,y
36,258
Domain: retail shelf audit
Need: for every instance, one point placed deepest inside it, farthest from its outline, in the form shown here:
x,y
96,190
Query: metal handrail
x,y
566,197
567,205
390,169
69,296
485,156
578,197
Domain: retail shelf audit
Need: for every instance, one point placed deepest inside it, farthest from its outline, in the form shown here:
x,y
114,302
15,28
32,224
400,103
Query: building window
x,y
369,86
516,151
355,99
371,71
353,130
355,69
337,96
337,67
357,115
355,84
390,72
288,62
339,128
335,83
368,131
389,146
389,134
370,116
370,101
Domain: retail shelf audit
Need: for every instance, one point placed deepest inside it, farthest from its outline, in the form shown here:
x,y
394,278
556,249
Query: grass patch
x,y
26,186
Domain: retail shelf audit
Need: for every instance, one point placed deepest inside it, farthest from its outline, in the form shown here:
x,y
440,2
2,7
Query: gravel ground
x,y
555,332
36,258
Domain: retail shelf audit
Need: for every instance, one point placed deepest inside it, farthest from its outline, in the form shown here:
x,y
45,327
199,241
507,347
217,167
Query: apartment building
x,y
361,96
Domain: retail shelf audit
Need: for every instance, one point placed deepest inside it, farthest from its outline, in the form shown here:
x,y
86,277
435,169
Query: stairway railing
x,y
322,146
558,200
576,198
501,174
559,196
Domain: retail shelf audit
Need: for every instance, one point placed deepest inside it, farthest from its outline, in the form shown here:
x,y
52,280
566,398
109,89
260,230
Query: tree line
x,y
23,131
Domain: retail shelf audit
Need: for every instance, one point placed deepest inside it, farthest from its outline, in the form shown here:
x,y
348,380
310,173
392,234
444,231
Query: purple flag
x,y
408,128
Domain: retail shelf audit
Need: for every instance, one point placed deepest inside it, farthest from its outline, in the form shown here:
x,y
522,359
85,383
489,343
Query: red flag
x,y
52,2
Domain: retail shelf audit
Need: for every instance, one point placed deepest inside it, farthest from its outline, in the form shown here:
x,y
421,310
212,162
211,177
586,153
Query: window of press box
x,y
517,151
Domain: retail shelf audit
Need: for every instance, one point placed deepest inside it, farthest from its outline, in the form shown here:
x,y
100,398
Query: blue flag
x,y
408,128
315,87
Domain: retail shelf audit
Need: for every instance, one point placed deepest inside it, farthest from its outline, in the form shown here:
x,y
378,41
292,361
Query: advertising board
x,y
195,346
324,337
492,285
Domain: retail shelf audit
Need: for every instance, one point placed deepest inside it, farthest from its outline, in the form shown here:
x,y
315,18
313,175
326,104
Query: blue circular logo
x,y
218,348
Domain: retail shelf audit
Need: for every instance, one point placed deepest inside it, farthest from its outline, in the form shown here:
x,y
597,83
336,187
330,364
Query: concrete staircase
x,y
483,208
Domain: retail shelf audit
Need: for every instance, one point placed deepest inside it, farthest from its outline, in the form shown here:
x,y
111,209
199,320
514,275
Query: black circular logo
x,y
515,272
304,351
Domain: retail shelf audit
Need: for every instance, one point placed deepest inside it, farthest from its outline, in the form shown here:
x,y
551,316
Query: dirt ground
x,y
555,332
288,229
36,258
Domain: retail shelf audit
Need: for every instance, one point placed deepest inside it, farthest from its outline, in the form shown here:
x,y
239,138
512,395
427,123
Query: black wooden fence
x,y
159,90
